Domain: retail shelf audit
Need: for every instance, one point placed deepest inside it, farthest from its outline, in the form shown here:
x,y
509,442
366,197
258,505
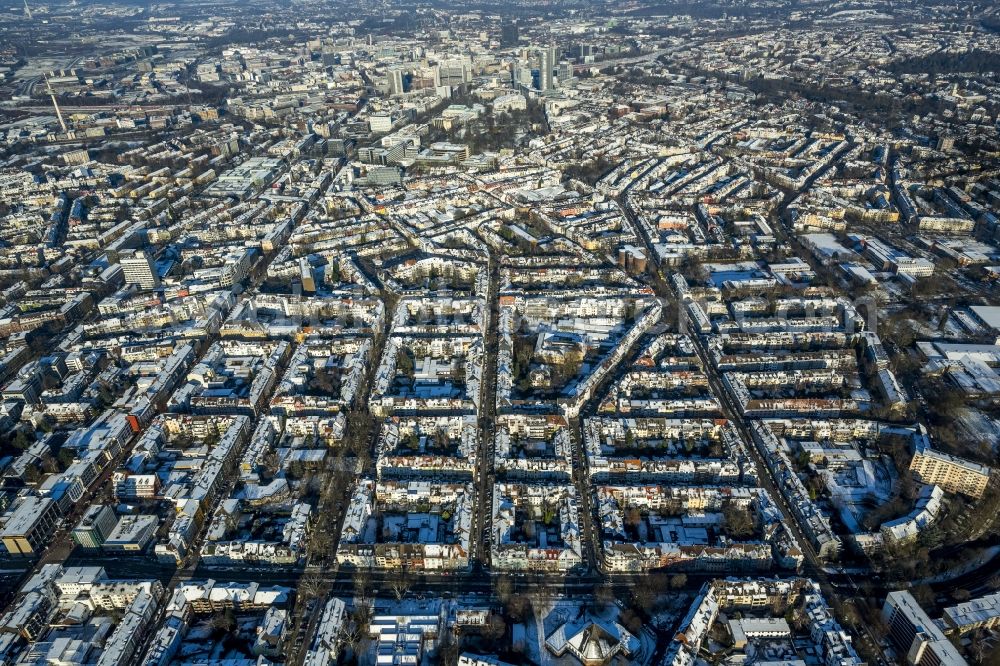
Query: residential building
x,y
980,613
139,269
952,473
918,638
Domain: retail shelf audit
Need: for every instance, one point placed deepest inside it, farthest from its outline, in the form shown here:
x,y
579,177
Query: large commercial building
x,y
915,635
93,529
509,34
30,526
396,79
132,534
549,61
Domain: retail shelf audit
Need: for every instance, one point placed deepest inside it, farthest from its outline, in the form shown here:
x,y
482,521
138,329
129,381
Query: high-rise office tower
x,y
524,76
544,70
509,34
139,269
565,72
455,72
549,60
397,85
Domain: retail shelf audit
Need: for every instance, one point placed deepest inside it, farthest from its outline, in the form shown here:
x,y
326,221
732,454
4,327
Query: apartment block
x,y
918,638
952,473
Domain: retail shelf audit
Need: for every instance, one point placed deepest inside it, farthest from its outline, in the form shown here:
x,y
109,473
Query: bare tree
x,y
518,607
357,629
401,583
980,647
604,596
49,464
310,585
644,597
448,650
495,627
630,620
320,542
224,621
657,583
503,588
877,624
362,587
270,463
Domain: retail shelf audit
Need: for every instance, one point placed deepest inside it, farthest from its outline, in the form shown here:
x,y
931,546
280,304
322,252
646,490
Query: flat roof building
x,y
952,473
93,529
132,534
983,612
139,269
30,526
919,640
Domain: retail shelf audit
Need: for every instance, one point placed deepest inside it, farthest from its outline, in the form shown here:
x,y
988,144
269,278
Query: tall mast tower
x,y
55,103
